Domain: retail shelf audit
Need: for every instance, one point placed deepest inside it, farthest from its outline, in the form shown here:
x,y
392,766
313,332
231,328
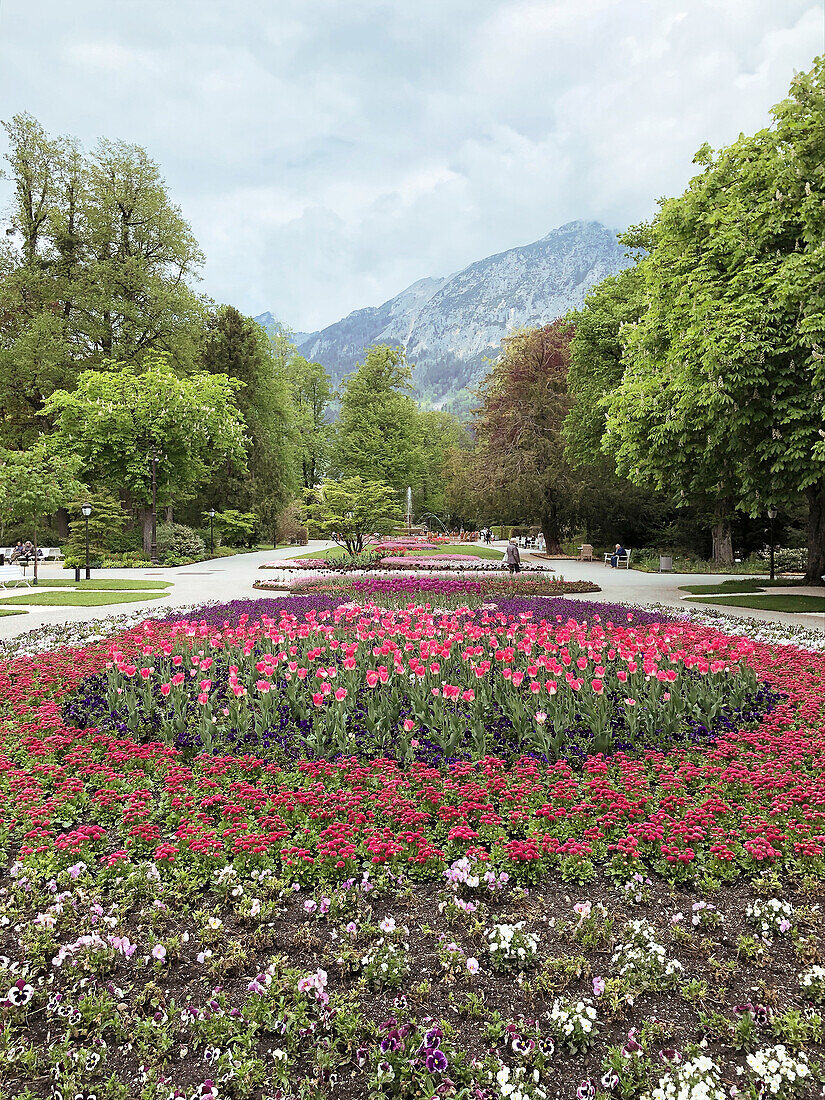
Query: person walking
x,y
512,557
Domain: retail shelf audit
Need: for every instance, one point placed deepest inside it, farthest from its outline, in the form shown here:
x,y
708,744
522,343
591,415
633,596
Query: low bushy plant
x,y
178,543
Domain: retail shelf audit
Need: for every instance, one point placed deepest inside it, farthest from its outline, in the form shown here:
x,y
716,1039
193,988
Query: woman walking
x,y
513,557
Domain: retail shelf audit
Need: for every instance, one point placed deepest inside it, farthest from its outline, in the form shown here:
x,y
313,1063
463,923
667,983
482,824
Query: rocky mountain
x,y
451,327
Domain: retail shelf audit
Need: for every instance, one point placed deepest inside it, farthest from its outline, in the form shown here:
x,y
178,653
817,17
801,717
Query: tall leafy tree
x,y
116,419
596,363
312,393
376,431
98,264
236,347
36,482
725,389
440,436
521,449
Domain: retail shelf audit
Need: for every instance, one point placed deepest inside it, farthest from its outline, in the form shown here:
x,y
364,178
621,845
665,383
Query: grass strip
x,y
748,584
106,584
79,599
787,602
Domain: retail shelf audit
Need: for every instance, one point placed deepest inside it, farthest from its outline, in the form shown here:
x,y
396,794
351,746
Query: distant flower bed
x,y
401,546
451,562
423,584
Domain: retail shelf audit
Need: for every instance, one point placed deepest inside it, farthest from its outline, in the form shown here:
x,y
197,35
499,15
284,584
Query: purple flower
x,y
435,1061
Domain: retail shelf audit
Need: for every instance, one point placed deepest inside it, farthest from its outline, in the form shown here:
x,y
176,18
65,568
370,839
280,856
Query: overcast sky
x,y
329,152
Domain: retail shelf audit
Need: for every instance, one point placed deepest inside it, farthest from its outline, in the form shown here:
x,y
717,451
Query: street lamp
x,y
211,534
772,517
86,509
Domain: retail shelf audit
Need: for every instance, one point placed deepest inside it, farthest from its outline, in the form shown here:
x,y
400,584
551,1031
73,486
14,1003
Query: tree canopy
x,y
524,403
116,419
236,347
376,431
312,392
722,395
97,266
36,482
351,509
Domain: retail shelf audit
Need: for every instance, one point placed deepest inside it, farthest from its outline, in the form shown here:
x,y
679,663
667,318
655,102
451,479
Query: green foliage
x,y
106,527
349,510
235,528
596,366
312,393
178,543
440,441
101,272
115,419
237,348
723,393
35,483
377,429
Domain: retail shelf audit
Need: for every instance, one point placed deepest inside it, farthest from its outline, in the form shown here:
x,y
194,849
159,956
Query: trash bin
x,y
665,564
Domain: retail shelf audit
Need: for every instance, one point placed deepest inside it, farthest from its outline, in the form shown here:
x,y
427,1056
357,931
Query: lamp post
x,y
153,553
211,534
772,517
86,509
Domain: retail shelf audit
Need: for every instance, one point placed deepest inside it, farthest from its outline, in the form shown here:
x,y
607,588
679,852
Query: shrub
x,y
178,543
235,528
787,560
288,524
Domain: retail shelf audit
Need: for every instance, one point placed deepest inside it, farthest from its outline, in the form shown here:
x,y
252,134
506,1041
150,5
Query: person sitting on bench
x,y
619,552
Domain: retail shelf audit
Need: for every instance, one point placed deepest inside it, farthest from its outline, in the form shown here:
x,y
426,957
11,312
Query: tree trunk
x,y
61,522
722,535
168,513
145,515
550,529
816,533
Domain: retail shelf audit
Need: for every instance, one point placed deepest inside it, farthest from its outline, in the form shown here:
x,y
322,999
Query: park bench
x,y
585,552
12,573
622,563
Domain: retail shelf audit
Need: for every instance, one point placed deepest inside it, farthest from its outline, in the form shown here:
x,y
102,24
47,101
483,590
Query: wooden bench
x,y
622,562
585,552
9,573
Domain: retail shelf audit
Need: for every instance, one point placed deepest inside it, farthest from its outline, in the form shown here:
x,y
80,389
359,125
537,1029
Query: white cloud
x,y
328,154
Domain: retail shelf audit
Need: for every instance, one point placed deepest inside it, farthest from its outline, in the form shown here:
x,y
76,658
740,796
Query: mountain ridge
x,y
451,327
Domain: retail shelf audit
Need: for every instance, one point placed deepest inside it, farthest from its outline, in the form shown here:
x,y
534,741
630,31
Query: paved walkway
x,y
232,578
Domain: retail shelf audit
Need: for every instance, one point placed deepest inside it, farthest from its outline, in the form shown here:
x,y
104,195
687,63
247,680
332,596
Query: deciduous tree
x,y
521,450
375,438
36,482
350,510
725,389
116,419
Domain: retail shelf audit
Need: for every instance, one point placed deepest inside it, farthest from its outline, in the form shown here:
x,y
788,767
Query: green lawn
x,y
787,602
78,599
106,584
12,611
747,584
458,548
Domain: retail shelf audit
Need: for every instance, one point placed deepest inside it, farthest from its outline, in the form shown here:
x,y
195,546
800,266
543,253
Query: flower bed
x,y
452,562
642,924
394,587
487,683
